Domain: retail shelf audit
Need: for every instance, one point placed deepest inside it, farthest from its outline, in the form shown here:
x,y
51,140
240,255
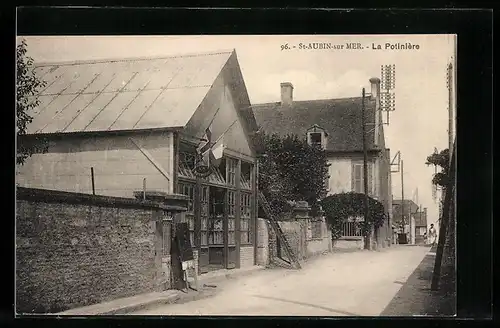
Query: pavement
x,y
416,297
206,288
361,283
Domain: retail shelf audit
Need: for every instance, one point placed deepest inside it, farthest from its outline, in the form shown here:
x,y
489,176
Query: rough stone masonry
x,y
75,252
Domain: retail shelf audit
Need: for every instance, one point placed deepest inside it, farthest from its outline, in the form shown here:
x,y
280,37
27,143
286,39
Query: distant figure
x,y
425,238
432,235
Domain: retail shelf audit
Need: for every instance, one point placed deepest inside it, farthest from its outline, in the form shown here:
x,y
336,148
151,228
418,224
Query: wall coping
x,y
350,238
58,196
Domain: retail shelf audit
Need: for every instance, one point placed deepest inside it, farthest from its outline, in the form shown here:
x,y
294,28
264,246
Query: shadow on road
x,y
415,297
310,305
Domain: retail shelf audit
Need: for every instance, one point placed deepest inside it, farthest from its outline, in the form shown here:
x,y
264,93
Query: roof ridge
x,y
310,100
124,59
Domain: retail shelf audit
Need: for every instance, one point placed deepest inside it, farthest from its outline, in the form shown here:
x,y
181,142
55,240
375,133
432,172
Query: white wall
x,y
340,175
119,165
340,171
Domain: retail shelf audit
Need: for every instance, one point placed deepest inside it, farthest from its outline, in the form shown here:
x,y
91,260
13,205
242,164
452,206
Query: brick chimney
x,y
375,85
286,93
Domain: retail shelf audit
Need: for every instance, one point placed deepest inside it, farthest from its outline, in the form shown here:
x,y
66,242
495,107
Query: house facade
x,y
116,127
420,226
336,125
414,219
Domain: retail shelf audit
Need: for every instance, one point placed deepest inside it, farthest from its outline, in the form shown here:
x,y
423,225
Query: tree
x,y
28,86
441,160
291,170
340,207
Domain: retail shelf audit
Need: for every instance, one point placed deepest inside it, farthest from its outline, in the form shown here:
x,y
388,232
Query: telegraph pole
x,y
450,107
402,200
365,171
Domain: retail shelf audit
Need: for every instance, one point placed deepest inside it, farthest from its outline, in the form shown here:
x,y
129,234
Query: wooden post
x,y
402,200
365,171
237,219
144,189
443,227
92,177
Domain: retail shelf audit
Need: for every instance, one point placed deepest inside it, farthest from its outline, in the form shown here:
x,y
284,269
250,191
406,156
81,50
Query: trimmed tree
x,y
291,170
339,208
28,86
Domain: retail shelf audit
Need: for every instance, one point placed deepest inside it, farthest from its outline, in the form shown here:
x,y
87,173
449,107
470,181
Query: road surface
x,y
340,284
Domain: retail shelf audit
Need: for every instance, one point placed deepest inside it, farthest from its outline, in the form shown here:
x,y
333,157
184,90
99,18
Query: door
x,y
203,261
217,228
230,231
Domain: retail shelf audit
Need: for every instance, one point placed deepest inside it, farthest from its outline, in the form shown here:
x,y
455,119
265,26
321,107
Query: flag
x,y
204,144
214,154
205,141
218,149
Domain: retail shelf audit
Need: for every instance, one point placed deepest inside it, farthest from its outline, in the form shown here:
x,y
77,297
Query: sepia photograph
x,y
236,175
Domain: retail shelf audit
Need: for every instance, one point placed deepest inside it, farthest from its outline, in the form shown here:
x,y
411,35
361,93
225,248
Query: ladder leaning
x,y
279,232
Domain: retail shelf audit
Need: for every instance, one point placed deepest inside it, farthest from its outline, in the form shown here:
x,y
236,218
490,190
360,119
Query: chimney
x,y
286,93
375,84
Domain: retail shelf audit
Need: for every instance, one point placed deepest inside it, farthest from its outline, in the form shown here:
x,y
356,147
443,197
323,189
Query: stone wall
x,y
320,245
246,256
263,232
296,233
75,250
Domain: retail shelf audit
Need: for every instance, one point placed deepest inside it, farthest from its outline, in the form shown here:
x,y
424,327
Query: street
x,y
358,283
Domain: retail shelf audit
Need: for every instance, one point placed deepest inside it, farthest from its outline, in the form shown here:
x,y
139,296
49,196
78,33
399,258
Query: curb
x,y
170,297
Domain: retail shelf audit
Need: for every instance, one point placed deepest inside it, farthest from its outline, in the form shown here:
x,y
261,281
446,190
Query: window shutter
x,y
353,177
357,179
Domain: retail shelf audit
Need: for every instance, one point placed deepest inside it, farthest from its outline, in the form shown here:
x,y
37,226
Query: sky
x,y
418,124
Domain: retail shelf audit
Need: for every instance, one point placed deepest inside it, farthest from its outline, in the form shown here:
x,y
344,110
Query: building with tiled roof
x,y
136,123
336,125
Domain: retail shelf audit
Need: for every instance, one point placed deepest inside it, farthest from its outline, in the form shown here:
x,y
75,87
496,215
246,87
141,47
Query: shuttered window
x,y
357,177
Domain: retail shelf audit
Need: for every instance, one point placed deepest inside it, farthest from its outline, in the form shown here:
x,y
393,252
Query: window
x,y
216,218
204,215
315,138
231,171
246,214
246,176
357,178
186,188
231,211
316,229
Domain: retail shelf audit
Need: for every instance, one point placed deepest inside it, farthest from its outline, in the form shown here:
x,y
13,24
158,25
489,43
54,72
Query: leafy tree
x,y
27,87
340,207
442,160
291,170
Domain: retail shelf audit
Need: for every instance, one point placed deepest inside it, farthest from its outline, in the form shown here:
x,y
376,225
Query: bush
x,y
339,208
290,170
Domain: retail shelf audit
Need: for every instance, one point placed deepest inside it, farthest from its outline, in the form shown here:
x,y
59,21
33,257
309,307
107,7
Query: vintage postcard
x,y
257,175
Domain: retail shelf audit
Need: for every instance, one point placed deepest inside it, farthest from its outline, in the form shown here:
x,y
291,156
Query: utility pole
x,y
365,171
450,107
402,199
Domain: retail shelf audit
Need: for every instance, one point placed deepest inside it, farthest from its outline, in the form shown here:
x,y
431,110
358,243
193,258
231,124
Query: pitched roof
x,y
124,94
340,118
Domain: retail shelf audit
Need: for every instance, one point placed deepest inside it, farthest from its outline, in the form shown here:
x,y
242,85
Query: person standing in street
x,y
432,235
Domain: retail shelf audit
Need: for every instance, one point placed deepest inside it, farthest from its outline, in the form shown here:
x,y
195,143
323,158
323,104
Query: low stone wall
x,y
296,232
74,250
349,243
263,232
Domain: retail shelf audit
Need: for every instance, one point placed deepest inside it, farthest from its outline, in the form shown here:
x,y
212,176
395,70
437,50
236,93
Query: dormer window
x,y
316,136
